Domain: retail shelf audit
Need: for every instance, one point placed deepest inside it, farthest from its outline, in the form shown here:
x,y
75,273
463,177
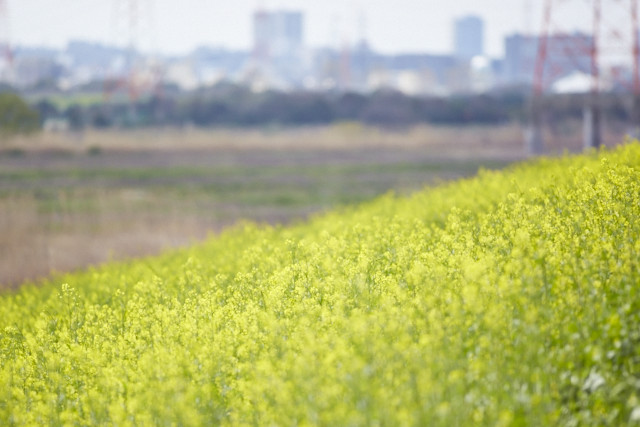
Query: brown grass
x,y
479,139
48,225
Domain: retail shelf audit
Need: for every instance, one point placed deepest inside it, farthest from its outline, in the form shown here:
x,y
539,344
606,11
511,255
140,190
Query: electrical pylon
x,y
608,53
132,28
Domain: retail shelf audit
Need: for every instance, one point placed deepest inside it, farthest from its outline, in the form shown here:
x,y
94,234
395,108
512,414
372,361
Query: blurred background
x,y
132,126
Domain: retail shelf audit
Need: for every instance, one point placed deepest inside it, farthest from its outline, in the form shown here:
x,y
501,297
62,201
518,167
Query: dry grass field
x,y
69,201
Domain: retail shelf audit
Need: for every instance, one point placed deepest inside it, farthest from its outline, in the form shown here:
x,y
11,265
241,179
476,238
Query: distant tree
x,y
300,108
389,108
76,116
16,116
46,109
349,106
100,118
5,87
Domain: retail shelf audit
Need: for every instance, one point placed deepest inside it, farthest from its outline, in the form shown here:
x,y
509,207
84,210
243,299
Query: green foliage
x,y
508,299
229,105
16,116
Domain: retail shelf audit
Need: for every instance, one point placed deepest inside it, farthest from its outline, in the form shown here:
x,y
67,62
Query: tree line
x,y
236,106
16,116
229,105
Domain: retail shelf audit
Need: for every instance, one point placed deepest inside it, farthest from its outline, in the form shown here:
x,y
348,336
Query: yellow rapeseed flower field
x,y
512,298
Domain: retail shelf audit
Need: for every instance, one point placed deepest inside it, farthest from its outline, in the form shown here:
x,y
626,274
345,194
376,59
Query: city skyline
x,y
405,26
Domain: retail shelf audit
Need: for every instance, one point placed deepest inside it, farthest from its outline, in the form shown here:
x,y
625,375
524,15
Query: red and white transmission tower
x,y
132,27
608,53
6,57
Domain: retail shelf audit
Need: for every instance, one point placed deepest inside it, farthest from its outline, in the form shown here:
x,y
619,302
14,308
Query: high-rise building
x,y
566,54
520,59
277,59
277,34
468,37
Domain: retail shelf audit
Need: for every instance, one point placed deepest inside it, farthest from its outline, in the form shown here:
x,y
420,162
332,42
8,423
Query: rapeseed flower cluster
x,y
512,298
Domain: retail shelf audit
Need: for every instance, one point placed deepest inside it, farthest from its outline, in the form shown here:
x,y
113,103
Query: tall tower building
x,y
278,47
468,37
277,34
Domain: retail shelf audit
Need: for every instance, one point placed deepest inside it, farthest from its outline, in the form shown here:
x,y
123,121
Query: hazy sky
x,y
180,25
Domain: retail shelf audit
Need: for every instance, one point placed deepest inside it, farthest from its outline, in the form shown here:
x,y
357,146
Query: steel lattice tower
x,y
613,43
132,28
608,53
